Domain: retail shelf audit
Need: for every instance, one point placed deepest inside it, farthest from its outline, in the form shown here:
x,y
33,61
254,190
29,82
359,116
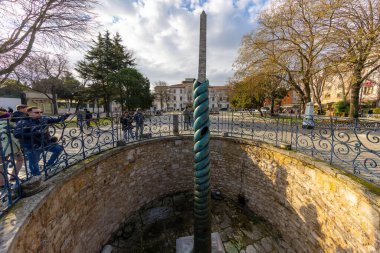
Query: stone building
x,y
370,93
178,96
338,88
39,99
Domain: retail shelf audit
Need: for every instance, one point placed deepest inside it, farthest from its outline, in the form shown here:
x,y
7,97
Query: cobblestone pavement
x,y
158,224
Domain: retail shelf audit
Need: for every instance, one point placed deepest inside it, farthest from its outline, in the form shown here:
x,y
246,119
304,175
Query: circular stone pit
x,y
157,225
315,207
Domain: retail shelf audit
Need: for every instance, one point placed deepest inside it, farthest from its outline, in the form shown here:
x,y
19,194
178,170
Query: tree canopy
x,y
312,41
108,66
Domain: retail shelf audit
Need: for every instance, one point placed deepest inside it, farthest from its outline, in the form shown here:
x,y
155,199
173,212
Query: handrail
x,y
353,145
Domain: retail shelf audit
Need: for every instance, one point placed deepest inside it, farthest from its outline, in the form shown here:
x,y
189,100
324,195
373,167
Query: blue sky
x,y
164,34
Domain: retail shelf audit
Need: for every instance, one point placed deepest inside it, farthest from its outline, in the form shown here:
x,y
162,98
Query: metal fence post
x,y
332,139
277,121
175,124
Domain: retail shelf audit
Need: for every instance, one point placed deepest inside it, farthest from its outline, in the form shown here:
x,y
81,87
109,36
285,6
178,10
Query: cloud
x,y
164,34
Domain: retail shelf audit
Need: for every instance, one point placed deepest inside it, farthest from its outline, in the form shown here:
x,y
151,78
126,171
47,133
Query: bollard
x,y
175,125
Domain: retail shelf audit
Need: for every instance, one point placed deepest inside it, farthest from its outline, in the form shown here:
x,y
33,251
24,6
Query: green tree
x,y
105,58
132,89
12,88
72,90
252,91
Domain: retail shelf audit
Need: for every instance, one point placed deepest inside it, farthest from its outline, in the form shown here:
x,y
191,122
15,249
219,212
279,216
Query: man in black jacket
x,y
20,113
33,133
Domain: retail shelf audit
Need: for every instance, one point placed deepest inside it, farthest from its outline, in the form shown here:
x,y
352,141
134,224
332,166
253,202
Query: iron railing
x,y
352,145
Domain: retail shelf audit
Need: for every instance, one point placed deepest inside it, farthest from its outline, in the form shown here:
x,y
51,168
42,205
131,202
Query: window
x,y
180,91
213,99
180,98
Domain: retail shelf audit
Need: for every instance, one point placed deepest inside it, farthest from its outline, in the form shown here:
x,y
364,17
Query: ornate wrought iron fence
x,y
353,145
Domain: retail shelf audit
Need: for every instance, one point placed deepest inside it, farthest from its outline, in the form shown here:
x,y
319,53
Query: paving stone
x,y
255,234
230,248
259,247
267,244
250,249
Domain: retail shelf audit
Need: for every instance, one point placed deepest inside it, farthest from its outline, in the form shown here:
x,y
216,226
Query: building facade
x,y
179,96
338,89
40,100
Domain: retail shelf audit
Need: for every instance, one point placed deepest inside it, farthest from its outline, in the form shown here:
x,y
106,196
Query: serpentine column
x,y
202,215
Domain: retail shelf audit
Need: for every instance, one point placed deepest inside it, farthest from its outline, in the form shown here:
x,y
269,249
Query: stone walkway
x,y
157,225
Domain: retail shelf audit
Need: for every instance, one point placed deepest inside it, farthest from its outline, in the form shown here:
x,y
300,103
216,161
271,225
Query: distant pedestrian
x,y
126,125
186,118
88,116
81,118
139,119
20,113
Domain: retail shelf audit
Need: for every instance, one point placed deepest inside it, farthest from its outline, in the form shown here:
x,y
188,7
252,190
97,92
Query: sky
x,y
164,34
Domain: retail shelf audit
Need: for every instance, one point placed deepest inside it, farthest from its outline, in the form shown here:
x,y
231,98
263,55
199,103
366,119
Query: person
x,y
191,117
20,113
126,125
187,120
34,136
139,119
88,116
10,148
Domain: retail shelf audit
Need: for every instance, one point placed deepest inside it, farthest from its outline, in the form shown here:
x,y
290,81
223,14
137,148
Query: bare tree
x,y
161,92
27,23
294,35
357,40
44,73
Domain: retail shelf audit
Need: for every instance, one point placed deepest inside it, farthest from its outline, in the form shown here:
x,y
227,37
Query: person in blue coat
x,y
34,136
139,119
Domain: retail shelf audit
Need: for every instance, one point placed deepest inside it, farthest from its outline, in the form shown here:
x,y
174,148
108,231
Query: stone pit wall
x,y
315,207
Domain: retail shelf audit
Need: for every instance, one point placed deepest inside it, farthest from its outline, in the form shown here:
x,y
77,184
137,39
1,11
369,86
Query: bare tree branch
x,y
27,23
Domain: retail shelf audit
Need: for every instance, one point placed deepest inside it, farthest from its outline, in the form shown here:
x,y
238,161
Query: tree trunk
x,y
272,106
355,90
106,106
77,106
320,108
54,100
354,101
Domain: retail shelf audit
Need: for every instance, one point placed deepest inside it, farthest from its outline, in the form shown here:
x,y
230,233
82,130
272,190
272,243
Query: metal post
x,y
332,139
175,124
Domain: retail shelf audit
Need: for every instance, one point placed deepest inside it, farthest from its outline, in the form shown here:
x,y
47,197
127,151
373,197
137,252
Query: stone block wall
x,y
315,207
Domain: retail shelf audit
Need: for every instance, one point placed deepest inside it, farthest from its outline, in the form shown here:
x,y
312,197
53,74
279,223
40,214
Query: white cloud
x,y
164,34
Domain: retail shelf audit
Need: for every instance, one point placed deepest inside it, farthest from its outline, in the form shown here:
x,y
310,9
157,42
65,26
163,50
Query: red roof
x,y
368,84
